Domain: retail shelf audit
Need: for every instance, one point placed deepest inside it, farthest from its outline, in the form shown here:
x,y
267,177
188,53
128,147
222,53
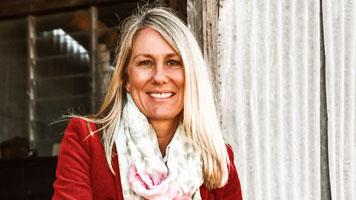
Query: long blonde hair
x,y
199,113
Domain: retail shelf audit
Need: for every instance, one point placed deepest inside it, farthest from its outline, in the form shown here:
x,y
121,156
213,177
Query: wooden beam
x,y
14,8
202,18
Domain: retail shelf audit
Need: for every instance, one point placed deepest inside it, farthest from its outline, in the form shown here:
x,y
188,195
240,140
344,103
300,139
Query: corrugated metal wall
x,y
340,31
269,95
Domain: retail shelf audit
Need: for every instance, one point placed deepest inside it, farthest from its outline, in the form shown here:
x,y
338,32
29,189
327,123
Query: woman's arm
x,y
74,164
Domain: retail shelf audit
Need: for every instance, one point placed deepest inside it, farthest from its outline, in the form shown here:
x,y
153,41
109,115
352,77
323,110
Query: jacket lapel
x,y
117,178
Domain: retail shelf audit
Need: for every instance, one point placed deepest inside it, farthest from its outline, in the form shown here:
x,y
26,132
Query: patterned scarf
x,y
143,172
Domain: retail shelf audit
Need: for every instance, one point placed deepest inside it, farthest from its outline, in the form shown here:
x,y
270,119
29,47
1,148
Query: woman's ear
x,y
127,87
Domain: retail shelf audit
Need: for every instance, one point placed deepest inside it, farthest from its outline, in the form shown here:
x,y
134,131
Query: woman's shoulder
x,y
232,189
81,134
79,121
80,127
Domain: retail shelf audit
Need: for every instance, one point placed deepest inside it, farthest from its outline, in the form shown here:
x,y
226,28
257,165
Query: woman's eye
x,y
145,62
173,62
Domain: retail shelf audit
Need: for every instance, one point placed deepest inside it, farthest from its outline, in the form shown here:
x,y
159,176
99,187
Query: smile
x,y
161,95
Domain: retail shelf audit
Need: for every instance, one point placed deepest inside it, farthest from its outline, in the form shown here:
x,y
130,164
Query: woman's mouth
x,y
161,95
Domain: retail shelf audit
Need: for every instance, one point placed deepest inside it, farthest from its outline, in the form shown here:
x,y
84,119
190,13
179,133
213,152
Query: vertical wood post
x,y
202,18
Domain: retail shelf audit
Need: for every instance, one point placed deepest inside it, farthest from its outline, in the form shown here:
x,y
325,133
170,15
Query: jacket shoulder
x,y
80,128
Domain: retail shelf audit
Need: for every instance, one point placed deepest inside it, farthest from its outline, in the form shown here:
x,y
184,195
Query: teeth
x,y
161,95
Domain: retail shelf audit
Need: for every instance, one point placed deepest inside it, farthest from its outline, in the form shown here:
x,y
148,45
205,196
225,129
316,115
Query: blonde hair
x,y
199,113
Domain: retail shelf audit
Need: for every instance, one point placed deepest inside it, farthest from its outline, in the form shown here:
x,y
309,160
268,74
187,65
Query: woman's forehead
x,y
150,42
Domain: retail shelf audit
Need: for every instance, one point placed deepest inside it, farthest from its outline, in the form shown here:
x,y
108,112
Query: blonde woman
x,y
156,135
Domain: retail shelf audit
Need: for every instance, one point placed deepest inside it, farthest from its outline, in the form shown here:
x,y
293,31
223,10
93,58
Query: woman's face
x,y
155,77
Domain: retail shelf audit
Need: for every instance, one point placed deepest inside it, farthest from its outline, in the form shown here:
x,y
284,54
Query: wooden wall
x,y
18,8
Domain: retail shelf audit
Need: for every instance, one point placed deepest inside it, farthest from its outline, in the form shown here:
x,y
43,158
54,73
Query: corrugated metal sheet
x,y
339,27
269,95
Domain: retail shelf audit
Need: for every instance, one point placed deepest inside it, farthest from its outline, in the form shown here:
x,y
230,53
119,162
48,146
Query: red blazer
x,y
83,173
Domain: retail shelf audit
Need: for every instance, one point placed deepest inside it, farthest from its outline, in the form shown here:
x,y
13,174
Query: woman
x,y
156,135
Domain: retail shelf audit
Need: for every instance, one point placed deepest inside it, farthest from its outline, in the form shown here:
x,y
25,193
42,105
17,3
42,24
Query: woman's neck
x,y
165,130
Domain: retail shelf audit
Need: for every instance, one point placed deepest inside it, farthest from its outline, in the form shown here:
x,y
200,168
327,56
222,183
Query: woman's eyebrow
x,y
143,55
170,55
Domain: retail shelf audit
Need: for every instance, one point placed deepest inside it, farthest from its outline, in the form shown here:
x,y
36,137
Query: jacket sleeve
x,y
232,189
74,164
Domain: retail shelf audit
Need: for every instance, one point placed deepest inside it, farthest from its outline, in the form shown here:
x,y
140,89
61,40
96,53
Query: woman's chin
x,y
163,117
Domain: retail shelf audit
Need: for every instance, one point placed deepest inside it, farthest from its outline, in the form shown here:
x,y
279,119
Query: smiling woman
x,y
155,80
156,135
155,77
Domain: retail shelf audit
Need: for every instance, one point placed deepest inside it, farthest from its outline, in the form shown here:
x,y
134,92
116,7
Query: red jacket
x,y
83,173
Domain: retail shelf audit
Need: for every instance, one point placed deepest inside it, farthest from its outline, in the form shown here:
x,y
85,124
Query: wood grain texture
x,y
202,18
13,8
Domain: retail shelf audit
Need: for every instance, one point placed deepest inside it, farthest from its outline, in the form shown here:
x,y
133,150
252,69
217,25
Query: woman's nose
x,y
160,74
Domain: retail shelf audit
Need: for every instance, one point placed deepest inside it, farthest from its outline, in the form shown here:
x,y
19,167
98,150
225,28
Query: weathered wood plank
x,y
11,8
202,18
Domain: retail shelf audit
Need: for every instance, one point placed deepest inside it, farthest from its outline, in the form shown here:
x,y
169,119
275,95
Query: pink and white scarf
x,y
143,172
